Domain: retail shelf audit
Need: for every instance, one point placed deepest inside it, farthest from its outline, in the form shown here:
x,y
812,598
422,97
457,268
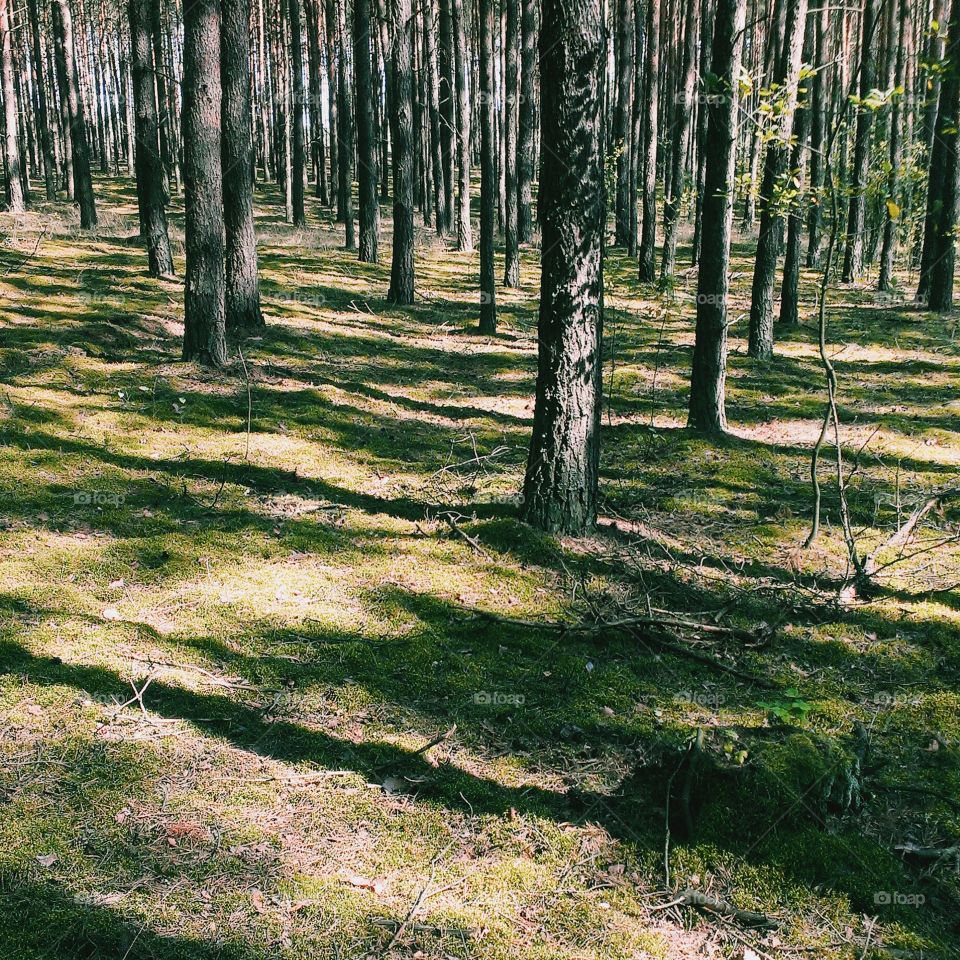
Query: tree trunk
x,y
651,100
298,163
488,173
402,278
525,119
464,228
330,33
204,294
560,488
708,379
43,118
621,120
511,266
317,149
345,119
446,95
368,176
944,241
242,276
818,105
904,22
790,289
16,199
149,168
680,143
857,214
700,137
771,216
67,70
440,178
164,116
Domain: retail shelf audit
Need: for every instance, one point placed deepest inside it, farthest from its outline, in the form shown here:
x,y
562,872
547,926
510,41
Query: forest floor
x,y
252,703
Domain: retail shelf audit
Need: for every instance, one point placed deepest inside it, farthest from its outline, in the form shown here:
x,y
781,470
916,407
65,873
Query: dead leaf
x,y
47,859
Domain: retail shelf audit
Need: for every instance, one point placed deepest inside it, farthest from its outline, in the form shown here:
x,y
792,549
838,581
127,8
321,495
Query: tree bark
x,y
298,163
16,198
368,176
708,379
447,86
345,119
67,70
43,118
680,144
464,228
511,266
204,294
857,213
621,120
817,137
560,488
242,294
440,178
651,102
944,241
771,216
904,22
488,173
148,165
402,277
526,119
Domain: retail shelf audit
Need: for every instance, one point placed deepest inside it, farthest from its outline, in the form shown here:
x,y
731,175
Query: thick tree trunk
x,y
204,294
298,163
402,278
857,213
771,216
464,228
149,167
944,241
43,118
488,174
511,266
708,379
651,101
67,70
680,144
368,176
526,119
242,276
16,199
560,488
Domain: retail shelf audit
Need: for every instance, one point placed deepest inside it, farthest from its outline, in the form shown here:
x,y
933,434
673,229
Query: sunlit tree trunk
x,y
560,487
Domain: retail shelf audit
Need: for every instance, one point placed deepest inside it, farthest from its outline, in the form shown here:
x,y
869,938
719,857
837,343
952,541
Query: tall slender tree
x,y
43,114
204,295
621,120
368,177
944,226
560,487
16,198
402,272
70,92
462,62
242,278
488,184
511,264
853,256
708,379
149,167
771,213
651,102
298,158
526,119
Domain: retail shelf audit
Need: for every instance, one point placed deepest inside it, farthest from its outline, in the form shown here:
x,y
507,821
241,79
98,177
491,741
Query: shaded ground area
x,y
277,670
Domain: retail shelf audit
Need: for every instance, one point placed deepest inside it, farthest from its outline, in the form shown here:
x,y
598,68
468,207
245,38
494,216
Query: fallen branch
x,y
703,901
